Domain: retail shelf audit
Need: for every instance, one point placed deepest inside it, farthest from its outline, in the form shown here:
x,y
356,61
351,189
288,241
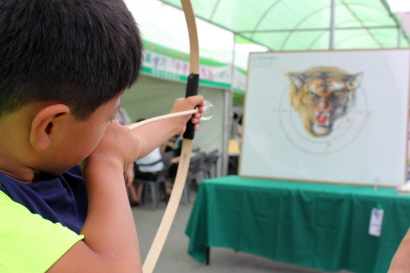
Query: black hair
x,y
78,52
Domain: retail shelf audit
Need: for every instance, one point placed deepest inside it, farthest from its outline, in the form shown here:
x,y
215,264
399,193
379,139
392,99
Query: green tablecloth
x,y
322,226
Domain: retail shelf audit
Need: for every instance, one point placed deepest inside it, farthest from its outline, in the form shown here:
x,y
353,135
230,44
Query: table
x,y
321,226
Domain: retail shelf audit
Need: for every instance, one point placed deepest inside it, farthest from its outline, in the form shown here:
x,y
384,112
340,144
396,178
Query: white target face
x,y
351,138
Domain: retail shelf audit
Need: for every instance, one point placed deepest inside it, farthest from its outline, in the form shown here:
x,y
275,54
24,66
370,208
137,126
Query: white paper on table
x,y
376,221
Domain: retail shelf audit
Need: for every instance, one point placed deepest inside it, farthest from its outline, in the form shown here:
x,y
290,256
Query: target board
x,y
327,116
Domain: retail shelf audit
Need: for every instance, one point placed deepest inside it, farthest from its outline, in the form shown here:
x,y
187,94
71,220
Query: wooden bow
x,y
175,198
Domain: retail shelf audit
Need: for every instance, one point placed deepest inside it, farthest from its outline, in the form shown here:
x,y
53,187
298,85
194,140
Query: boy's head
x,y
80,53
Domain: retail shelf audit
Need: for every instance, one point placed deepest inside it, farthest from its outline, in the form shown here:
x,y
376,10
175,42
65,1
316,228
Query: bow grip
x,y
191,90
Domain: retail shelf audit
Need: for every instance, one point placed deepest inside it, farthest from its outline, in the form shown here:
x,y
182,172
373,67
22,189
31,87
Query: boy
x,y
63,67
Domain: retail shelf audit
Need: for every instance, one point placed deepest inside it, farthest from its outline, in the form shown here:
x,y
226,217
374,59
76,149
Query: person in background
x,y
234,127
174,145
146,168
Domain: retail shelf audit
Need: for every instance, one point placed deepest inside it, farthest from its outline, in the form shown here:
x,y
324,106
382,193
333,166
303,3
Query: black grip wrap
x,y
191,90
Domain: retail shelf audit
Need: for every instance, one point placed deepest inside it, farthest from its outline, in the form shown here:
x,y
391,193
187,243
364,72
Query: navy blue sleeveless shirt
x,y
60,198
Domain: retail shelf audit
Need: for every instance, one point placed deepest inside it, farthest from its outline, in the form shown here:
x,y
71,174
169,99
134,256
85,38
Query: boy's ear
x,y
43,125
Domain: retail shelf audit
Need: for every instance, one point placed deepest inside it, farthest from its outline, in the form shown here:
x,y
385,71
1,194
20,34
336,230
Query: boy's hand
x,y
129,175
189,103
117,146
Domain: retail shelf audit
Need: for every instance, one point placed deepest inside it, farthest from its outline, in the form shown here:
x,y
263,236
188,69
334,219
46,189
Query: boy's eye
x,y
111,119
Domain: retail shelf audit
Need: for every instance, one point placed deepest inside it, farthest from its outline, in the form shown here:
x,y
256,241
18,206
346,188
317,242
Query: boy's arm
x,y
110,239
401,260
154,134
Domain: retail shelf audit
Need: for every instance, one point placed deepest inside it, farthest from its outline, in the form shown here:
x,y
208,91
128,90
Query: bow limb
x,y
178,188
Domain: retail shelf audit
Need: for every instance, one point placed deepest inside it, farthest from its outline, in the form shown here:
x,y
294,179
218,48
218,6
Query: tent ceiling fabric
x,y
283,25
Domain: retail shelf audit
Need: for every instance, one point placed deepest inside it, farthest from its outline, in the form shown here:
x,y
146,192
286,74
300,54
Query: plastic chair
x,y
155,184
209,165
194,174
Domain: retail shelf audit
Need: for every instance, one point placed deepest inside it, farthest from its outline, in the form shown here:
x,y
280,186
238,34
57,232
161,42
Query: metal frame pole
x,y
332,24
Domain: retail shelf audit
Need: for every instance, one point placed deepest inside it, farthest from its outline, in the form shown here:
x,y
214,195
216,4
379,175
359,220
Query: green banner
x,y
166,63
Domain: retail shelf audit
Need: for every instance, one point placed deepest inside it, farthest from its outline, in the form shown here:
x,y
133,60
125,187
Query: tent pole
x,y
332,24
228,113
228,124
400,32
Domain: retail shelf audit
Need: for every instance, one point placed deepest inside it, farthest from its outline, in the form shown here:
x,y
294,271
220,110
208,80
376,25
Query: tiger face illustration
x,y
321,95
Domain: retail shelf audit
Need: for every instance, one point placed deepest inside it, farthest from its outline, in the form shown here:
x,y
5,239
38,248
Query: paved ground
x,y
174,256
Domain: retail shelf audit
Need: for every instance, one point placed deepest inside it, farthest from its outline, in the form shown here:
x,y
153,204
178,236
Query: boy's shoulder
x,y
28,235
61,198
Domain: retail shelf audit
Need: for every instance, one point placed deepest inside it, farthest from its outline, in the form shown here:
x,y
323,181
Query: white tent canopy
x,y
165,25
